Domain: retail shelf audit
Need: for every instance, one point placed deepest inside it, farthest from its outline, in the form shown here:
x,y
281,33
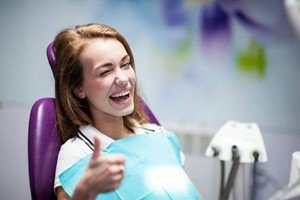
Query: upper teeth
x,y
121,94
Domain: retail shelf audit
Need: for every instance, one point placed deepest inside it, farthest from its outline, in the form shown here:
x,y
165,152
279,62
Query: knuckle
x,y
111,170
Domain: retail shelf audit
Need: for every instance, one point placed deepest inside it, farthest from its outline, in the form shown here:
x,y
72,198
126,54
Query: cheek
x,y
132,77
97,87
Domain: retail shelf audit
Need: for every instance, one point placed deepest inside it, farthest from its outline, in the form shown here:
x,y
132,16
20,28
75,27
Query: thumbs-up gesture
x,y
103,174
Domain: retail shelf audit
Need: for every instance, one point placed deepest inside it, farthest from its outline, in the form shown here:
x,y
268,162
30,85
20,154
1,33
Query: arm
x,y
80,193
103,174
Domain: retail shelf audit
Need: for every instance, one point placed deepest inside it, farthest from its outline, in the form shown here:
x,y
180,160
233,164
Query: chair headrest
x,y
51,57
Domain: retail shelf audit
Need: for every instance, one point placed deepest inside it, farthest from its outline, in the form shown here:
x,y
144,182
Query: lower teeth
x,y
120,99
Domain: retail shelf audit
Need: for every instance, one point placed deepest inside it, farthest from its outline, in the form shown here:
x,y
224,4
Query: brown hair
x,y
71,110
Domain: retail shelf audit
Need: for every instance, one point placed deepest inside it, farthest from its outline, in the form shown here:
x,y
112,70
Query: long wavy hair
x,y
71,110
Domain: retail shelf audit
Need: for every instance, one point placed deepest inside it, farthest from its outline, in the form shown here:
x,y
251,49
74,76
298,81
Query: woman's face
x,y
109,79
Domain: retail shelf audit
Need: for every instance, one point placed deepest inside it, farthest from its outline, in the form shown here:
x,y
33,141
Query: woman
x,y
96,99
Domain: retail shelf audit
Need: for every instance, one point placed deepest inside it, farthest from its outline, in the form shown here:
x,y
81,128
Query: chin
x,y
125,112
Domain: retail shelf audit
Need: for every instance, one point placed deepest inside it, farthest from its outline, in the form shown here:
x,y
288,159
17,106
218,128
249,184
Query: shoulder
x,y
72,150
172,137
150,128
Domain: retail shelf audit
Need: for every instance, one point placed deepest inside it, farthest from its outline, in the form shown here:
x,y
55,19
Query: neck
x,y
112,126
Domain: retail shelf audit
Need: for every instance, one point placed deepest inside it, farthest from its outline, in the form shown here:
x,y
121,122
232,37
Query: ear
x,y
79,93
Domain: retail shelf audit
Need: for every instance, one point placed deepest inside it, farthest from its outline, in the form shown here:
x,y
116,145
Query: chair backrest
x,y
44,142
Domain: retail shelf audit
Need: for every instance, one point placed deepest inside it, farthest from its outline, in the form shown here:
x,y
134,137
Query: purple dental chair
x,y
44,142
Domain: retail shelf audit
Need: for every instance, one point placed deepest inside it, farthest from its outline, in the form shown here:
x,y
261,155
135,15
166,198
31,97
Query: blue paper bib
x,y
153,170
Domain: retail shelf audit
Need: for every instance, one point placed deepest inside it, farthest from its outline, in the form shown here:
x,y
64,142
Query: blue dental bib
x,y
153,170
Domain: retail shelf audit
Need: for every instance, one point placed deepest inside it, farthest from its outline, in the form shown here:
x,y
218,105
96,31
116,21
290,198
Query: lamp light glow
x,y
169,177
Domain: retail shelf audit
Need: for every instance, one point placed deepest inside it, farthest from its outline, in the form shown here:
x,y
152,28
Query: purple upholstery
x,y
44,143
150,115
43,147
51,57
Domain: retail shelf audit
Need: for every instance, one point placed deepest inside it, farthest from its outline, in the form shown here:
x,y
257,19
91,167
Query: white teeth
x,y
120,94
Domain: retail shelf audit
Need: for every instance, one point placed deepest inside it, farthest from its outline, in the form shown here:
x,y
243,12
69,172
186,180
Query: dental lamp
x,y
292,190
240,143
292,8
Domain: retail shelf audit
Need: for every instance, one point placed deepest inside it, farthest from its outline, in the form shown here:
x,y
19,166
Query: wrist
x,y
84,190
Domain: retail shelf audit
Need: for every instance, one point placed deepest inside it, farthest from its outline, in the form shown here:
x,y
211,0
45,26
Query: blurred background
x,y
199,64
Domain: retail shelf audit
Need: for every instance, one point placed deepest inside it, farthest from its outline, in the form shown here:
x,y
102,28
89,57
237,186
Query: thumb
x,y
97,147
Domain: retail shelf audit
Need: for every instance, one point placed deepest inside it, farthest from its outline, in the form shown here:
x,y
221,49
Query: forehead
x,y
102,50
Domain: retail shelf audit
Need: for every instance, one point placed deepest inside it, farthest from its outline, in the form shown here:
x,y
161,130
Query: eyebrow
x,y
110,64
125,57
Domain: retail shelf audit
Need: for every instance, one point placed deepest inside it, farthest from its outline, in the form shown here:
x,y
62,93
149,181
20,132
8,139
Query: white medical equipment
x,y
240,143
292,8
292,190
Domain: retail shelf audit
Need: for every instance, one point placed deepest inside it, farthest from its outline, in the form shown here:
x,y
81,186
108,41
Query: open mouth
x,y
120,97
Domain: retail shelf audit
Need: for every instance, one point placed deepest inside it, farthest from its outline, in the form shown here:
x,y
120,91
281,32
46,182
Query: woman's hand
x,y
103,174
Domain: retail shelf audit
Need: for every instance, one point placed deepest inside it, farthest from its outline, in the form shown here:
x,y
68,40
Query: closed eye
x,y
103,73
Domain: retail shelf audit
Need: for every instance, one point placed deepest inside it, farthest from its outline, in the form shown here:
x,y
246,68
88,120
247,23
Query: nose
x,y
121,77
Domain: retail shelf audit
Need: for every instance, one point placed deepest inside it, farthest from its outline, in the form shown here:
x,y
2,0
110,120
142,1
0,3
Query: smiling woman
x,y
90,57
96,99
109,80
